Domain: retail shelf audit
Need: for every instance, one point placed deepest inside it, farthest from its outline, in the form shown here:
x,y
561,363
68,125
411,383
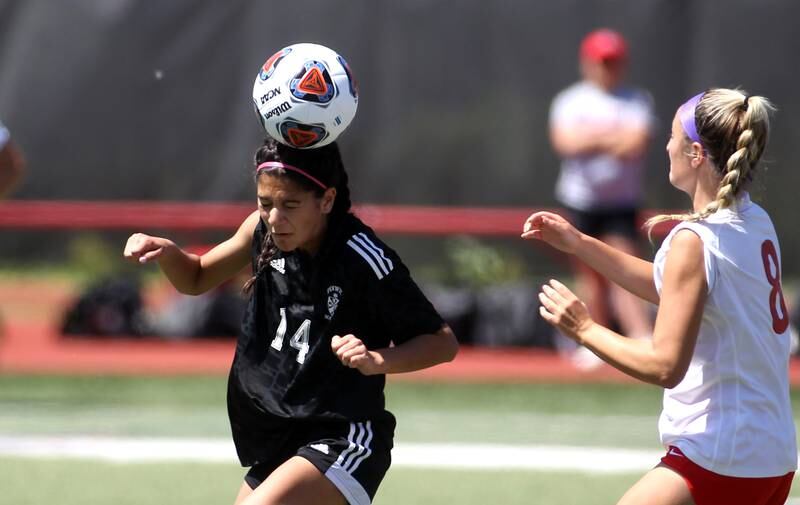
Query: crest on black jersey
x,y
334,296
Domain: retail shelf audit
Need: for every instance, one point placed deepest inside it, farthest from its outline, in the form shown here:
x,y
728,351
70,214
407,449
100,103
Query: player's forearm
x,y
631,273
577,141
182,269
631,143
635,357
420,352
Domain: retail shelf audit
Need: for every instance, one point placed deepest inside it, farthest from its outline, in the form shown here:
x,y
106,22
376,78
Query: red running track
x,y
34,348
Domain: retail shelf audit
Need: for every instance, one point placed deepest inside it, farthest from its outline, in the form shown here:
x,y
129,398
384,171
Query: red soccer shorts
x,y
709,488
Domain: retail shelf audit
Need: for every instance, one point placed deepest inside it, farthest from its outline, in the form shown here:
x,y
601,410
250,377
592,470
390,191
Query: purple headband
x,y
277,164
686,115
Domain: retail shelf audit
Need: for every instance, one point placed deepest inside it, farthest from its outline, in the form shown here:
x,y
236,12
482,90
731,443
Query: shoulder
x,y
367,253
689,256
687,238
705,232
686,252
570,93
250,226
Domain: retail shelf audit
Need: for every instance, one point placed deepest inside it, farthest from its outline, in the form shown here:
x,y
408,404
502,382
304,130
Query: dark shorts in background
x,y
596,223
353,456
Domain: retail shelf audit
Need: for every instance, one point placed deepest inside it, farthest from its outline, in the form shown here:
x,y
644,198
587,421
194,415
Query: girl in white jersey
x,y
720,345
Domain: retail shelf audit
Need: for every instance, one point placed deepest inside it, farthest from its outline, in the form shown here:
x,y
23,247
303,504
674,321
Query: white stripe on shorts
x,y
350,447
357,450
350,488
357,461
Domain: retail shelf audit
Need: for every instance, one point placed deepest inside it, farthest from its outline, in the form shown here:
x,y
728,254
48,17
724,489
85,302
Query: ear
x,y
328,199
697,153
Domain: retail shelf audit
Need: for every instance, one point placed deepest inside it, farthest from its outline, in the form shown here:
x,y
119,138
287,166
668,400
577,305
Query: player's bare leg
x,y
659,486
590,287
628,309
296,482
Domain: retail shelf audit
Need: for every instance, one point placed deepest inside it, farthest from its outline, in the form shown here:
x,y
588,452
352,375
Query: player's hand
x,y
352,352
561,308
143,248
553,229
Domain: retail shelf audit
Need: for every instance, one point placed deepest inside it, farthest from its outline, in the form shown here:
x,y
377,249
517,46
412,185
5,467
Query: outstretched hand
x,y
352,352
561,308
553,229
143,248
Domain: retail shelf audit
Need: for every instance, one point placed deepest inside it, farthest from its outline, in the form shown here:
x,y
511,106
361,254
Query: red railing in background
x,y
35,345
196,216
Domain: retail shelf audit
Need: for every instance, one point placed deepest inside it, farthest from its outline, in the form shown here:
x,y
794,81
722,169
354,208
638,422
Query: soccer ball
x,y
305,95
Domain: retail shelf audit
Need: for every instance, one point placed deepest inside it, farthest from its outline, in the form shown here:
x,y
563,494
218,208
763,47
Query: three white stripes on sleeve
x,y
373,254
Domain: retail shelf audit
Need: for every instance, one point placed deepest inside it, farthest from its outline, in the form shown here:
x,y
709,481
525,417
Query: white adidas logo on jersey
x,y
323,448
279,265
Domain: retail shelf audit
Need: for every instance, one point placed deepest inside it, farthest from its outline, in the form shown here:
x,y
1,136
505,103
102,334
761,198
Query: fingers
x,y
143,248
562,289
537,222
555,299
534,221
552,306
347,348
151,255
547,316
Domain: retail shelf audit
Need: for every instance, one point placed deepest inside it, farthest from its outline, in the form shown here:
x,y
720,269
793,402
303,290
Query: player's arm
x,y
422,351
631,273
630,142
577,140
664,359
191,273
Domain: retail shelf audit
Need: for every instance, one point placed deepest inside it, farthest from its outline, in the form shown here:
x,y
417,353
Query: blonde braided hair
x,y
733,127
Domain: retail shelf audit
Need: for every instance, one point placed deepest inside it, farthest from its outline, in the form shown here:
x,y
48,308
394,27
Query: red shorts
x,y
709,488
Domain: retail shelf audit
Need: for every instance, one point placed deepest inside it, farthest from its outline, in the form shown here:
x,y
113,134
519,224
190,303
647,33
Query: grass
x,y
574,414
94,483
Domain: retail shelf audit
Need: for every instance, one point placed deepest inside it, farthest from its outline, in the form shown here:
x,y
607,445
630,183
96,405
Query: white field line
x,y
417,455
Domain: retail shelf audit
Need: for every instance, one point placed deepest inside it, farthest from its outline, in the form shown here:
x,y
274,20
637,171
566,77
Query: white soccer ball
x,y
305,95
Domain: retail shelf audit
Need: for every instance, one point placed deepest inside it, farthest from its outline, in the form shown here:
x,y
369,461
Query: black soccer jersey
x,y
284,370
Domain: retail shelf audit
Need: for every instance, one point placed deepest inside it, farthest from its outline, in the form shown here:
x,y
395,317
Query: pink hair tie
x,y
267,165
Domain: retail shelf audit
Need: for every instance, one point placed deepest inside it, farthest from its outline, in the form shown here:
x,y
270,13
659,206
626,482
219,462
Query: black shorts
x,y
353,456
597,223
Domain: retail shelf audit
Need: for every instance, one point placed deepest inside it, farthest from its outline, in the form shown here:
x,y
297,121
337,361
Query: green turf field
x,y
577,415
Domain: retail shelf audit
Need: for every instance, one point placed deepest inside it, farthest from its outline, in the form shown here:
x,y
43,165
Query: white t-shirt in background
x,y
601,181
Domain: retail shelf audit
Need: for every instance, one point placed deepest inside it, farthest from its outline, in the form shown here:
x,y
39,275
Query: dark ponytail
x,y
324,164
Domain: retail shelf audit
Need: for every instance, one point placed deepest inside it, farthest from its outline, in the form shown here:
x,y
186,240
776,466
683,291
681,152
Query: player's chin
x,y
284,242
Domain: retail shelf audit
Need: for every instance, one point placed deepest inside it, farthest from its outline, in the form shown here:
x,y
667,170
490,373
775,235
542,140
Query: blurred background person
x,y
600,128
12,165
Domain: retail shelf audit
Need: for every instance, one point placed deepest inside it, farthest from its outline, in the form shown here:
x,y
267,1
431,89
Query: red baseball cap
x,y
603,45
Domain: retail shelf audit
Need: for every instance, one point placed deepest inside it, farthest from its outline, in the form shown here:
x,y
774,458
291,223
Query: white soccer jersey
x,y
590,182
731,413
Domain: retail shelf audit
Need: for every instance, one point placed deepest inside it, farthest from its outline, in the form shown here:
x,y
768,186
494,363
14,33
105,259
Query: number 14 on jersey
x,y
299,340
